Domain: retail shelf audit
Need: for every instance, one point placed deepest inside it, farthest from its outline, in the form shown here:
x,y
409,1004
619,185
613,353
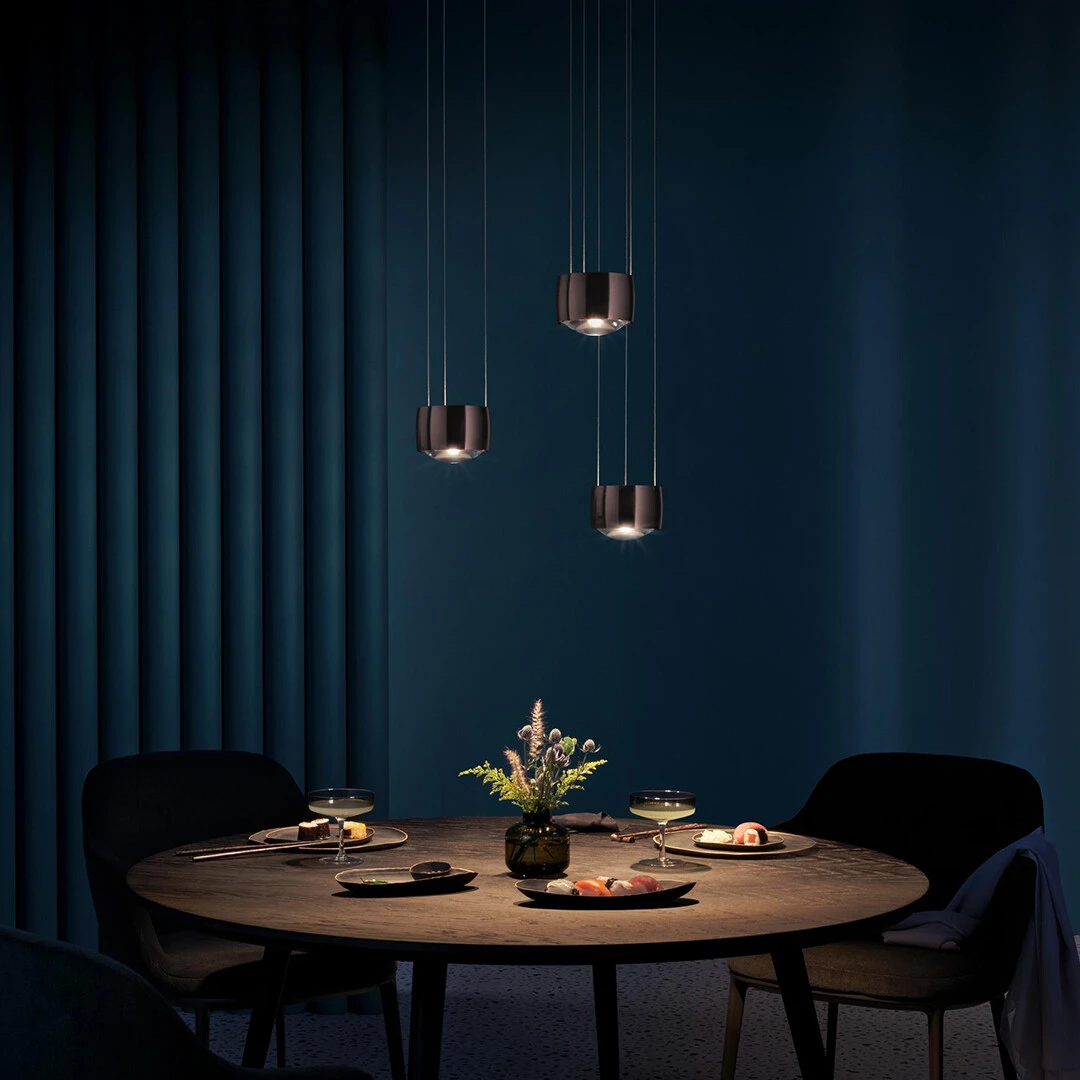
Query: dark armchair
x,y
136,806
946,815
66,1012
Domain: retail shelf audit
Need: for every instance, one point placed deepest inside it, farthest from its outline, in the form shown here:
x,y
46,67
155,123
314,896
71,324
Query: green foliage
x,y
543,772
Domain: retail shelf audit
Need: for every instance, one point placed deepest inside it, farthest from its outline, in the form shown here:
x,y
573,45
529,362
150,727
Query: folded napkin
x,y
1038,1023
943,930
602,822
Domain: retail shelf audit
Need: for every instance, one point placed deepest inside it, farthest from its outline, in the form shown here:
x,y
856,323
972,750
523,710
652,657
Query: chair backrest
x,y
138,805
68,1012
944,814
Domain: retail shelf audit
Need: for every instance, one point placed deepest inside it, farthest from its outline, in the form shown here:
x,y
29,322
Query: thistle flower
x,y
588,746
525,733
555,736
536,729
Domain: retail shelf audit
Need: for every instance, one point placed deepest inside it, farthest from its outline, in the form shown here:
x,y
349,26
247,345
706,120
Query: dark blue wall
x,y
869,405
214,526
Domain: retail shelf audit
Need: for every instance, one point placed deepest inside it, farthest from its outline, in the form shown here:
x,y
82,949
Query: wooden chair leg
x,y
935,1020
830,1039
997,1007
202,1025
392,1021
279,1032
736,1002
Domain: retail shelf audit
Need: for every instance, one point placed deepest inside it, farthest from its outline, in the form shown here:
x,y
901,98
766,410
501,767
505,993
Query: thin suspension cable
x,y
427,179
654,243
484,155
444,202
583,157
598,412
630,133
569,127
598,134
626,406
626,148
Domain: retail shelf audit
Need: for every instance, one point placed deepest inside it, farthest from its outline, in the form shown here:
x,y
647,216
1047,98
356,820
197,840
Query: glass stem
x,y
663,842
341,840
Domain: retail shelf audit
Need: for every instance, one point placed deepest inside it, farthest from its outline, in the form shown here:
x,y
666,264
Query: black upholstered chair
x,y
946,815
136,806
73,1013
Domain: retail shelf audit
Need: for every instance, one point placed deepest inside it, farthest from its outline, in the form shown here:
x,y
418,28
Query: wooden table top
x,y
738,906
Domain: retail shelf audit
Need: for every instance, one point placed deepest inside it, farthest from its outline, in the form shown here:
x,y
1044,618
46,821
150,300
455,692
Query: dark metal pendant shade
x,y
453,433
627,511
594,303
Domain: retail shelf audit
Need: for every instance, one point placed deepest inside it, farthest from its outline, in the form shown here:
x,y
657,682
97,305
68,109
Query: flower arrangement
x,y
542,773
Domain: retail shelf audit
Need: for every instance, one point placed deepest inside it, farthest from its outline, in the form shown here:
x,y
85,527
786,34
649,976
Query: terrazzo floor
x,y
529,1023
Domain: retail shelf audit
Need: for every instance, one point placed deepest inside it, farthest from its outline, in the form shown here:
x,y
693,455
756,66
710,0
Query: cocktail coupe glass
x,y
662,805
343,804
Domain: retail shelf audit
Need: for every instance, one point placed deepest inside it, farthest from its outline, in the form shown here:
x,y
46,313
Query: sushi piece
x,y
592,887
319,829
647,881
752,834
562,887
627,888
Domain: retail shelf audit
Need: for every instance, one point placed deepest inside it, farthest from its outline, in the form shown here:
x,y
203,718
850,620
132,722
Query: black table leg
x,y
802,1019
606,1001
264,1011
426,1018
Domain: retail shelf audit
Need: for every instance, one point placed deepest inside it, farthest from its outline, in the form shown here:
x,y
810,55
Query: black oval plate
x,y
536,889
397,881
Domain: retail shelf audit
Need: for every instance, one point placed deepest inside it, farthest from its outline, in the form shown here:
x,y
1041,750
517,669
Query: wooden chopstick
x,y
630,837
262,849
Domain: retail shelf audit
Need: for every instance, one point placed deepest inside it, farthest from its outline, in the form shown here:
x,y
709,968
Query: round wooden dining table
x,y
739,905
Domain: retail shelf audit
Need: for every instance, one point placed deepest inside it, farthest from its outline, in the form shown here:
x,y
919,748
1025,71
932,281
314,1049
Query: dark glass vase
x,y
537,847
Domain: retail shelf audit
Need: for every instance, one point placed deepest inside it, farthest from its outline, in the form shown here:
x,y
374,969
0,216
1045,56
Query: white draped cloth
x,y
1040,1025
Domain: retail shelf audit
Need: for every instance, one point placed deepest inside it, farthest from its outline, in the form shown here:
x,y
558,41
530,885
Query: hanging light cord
x,y
583,135
626,330
569,126
654,244
444,202
598,133
598,412
485,216
629,137
427,180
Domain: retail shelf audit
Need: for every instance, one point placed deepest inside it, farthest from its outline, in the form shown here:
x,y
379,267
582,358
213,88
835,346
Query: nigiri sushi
x,y
647,881
592,887
561,886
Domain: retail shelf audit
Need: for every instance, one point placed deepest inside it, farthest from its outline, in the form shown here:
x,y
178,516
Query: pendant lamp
x,y
451,433
595,302
630,511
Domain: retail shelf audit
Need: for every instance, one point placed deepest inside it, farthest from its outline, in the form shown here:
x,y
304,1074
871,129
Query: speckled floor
x,y
537,1024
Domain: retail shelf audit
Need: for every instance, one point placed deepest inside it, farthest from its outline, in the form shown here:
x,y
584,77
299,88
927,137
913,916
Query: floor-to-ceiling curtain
x,y
192,406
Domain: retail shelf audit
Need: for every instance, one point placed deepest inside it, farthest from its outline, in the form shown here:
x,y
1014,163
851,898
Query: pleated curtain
x,y
193,388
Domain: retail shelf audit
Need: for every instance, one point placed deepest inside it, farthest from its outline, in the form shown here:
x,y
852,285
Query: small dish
x,y
379,836
536,889
400,881
289,835
776,840
792,845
